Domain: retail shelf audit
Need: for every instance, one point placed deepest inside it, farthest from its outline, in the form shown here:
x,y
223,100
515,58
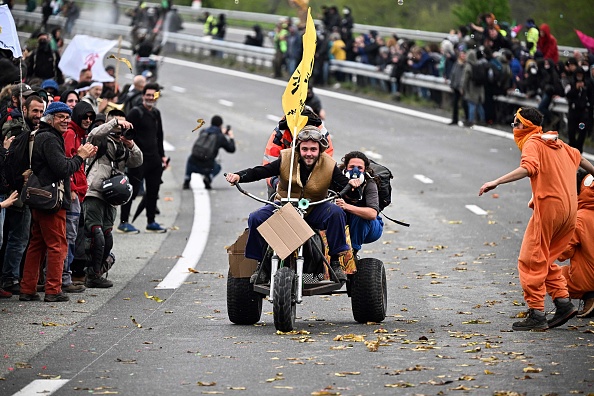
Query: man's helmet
x,y
310,132
117,190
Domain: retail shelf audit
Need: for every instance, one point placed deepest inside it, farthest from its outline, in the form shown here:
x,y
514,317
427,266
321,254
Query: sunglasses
x,y
88,117
516,124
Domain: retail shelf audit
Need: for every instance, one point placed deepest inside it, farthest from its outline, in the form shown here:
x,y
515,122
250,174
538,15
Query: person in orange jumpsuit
x,y
551,165
281,139
580,273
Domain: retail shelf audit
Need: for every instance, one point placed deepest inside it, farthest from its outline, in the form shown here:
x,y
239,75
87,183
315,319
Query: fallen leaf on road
x,y
154,298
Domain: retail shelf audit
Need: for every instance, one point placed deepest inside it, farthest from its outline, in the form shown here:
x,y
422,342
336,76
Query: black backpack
x,y
383,176
206,147
480,73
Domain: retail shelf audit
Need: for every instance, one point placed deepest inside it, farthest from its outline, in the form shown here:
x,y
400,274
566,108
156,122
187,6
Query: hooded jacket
x,y
102,167
73,138
547,44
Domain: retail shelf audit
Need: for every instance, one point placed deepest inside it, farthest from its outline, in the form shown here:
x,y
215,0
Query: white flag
x,y
86,52
9,39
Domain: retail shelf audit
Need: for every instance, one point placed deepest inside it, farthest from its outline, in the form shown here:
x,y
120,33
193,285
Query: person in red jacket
x,y
551,165
580,273
547,43
83,116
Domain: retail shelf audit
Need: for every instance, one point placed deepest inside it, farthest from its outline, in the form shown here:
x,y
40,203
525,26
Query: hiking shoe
x,y
535,321
29,297
186,185
97,282
564,310
260,276
207,182
60,297
72,288
127,228
5,294
588,308
155,227
337,268
14,288
78,280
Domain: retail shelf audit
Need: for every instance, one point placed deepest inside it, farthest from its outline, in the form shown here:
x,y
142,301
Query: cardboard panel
x,y
239,266
285,231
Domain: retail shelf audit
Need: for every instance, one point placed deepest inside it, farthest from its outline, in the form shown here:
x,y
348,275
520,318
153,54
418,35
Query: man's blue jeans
x,y
18,223
192,167
364,231
326,216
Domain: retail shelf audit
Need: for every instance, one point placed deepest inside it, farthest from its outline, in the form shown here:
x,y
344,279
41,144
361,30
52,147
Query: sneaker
x,y
72,288
78,280
97,282
207,182
29,297
155,227
14,288
337,268
260,276
5,294
588,309
536,321
186,185
127,228
564,310
60,297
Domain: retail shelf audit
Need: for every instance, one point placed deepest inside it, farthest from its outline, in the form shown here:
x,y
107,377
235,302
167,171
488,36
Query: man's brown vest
x,y
316,187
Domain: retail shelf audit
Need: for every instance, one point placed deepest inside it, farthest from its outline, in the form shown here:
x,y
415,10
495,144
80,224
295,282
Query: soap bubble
x,y
236,1
582,125
400,2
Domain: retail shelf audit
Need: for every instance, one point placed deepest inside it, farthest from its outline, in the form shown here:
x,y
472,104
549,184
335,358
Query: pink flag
x,y
586,40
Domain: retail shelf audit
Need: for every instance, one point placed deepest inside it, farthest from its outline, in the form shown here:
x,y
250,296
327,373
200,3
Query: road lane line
x,y
196,242
476,210
168,146
273,117
177,89
423,179
224,102
42,387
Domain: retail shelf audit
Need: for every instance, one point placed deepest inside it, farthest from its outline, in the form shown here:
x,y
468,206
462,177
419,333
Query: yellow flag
x,y
296,91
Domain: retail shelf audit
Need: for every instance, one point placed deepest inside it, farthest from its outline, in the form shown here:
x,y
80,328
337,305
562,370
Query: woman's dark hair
x,y
533,115
357,154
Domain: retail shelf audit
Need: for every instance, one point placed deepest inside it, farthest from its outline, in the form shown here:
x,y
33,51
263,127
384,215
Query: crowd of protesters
x,y
96,128
479,61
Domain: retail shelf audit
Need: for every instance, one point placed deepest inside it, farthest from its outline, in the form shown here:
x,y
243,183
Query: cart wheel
x,y
369,291
284,304
244,305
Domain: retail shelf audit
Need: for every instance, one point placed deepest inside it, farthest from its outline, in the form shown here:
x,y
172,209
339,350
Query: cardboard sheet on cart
x,y
285,231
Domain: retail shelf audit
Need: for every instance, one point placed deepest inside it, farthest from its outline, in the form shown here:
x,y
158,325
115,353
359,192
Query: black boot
x,y
564,310
536,321
261,276
337,268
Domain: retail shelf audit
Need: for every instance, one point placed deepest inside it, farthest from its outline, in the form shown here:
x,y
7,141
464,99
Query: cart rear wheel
x,y
284,303
369,291
244,305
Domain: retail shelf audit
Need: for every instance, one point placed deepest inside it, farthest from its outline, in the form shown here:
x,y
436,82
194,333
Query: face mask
x,y
355,173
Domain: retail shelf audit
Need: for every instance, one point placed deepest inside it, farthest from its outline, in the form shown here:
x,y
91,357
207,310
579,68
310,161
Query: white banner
x,y
9,39
86,52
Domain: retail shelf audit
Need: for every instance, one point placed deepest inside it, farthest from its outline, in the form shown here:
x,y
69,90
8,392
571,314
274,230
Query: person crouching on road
x,y
551,165
314,173
580,273
48,230
115,153
361,204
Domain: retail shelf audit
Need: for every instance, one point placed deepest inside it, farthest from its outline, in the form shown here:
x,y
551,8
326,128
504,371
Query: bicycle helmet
x,y
310,132
117,190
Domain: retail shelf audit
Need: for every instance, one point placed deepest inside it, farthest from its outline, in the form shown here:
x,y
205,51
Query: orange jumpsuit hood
x,y
586,196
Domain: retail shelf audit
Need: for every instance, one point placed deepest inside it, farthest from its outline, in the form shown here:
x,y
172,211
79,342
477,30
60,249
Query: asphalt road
x,y
453,288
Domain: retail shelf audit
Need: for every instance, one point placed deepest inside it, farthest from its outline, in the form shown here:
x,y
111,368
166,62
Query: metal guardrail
x,y
263,56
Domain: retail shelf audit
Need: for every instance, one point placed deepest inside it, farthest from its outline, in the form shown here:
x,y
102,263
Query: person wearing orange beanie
x,y
580,273
551,166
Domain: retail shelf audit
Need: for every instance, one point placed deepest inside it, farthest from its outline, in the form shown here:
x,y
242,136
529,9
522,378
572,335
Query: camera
x,y
228,129
129,134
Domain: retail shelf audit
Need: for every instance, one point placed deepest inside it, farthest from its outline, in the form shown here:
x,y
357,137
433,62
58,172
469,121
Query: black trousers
x,y
151,172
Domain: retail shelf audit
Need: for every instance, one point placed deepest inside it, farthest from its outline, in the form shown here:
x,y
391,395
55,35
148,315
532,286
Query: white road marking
x,y
177,89
423,179
273,117
42,387
476,210
224,102
373,155
196,242
168,146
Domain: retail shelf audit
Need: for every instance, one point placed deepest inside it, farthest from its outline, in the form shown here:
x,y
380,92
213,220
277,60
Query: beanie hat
x,y
57,107
49,84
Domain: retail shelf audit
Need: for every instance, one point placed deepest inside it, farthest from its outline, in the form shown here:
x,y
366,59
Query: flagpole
x,y
292,162
117,69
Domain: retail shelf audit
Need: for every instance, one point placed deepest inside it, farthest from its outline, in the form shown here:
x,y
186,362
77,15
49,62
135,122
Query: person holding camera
x,y
205,152
115,152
